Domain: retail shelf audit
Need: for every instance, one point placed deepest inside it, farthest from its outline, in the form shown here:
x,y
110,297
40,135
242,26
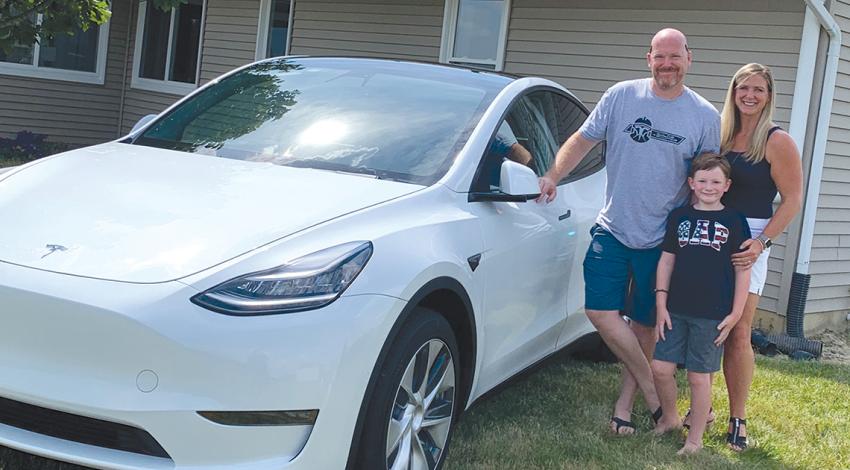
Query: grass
x,y
555,418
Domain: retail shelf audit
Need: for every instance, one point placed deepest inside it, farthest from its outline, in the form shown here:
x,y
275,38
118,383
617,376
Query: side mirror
x,y
143,122
518,183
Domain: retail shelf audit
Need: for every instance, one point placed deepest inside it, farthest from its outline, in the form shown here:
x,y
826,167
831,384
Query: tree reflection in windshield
x,y
391,119
229,110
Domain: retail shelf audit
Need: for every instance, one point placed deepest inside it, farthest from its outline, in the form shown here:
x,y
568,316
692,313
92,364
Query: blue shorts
x,y
617,277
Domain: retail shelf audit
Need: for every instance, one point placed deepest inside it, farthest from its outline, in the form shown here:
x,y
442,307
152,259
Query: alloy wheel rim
x,y
421,416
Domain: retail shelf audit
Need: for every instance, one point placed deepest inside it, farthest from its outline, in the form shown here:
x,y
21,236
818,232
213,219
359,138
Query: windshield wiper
x,y
336,167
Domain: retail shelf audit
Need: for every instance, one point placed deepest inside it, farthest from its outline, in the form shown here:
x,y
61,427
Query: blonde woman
x,y
764,161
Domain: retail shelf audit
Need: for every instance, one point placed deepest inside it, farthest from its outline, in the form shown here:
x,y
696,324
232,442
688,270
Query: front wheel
x,y
409,420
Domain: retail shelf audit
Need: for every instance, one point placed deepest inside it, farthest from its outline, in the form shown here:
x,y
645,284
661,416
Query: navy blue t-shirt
x,y
703,281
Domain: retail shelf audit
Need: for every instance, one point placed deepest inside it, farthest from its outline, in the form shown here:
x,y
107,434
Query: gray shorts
x,y
691,342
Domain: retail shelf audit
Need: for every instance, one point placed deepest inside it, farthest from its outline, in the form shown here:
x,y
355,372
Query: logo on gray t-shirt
x,y
641,131
650,142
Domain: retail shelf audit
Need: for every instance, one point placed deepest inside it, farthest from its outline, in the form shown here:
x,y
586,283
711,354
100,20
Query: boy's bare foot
x,y
689,448
666,425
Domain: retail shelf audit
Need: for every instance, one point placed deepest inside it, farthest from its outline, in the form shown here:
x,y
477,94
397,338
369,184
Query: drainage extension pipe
x,y
797,304
788,345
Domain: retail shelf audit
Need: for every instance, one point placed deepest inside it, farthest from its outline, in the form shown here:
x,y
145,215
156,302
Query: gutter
x,y
800,278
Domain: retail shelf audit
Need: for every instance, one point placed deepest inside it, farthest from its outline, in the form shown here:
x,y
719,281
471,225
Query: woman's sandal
x,y
736,441
708,422
620,423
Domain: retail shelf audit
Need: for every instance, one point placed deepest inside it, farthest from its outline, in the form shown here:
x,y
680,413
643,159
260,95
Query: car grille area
x,y
80,429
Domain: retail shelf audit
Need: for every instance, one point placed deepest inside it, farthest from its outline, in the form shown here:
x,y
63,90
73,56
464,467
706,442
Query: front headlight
x,y
306,283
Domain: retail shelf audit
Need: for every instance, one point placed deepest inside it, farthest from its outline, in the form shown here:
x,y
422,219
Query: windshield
x,y
395,120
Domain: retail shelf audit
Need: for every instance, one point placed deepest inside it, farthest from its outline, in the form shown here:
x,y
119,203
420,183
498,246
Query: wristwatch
x,y
765,240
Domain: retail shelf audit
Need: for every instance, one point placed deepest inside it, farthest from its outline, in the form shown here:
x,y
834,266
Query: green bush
x,y
26,147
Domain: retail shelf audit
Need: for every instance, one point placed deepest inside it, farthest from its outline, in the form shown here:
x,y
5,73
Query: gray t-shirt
x,y
650,144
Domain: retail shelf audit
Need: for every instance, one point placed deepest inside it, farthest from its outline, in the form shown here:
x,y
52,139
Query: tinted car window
x,y
531,133
394,120
564,117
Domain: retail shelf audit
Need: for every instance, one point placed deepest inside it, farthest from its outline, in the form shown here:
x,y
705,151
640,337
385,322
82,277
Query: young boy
x,y
699,294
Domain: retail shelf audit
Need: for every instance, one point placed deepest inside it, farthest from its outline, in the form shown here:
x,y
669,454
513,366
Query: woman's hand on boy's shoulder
x,y
750,251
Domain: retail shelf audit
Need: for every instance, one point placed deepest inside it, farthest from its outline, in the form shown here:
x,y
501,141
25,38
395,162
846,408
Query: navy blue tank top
x,y
753,190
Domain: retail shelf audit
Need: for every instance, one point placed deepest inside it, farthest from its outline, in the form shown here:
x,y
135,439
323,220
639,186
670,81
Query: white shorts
x,y
758,271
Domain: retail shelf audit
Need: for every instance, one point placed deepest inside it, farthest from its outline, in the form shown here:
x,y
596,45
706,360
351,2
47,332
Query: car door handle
x,y
565,216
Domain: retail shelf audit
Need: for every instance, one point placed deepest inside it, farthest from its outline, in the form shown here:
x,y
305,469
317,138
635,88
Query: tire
x,y
410,416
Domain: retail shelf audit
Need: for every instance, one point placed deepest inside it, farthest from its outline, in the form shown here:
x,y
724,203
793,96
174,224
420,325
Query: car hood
x,y
139,214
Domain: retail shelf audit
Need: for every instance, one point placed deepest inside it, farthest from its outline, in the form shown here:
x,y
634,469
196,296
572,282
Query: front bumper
x,y
142,355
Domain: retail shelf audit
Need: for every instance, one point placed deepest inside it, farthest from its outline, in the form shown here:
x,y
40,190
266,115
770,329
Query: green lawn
x,y
555,418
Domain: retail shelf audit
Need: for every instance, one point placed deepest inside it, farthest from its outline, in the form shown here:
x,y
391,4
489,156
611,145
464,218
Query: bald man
x,y
653,128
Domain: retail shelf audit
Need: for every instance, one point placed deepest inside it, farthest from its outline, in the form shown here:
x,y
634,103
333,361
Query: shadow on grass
x,y
11,459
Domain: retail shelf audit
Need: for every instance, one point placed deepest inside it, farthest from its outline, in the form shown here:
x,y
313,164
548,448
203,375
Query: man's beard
x,y
669,81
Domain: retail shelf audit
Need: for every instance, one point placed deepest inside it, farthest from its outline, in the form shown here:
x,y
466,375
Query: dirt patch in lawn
x,y
836,345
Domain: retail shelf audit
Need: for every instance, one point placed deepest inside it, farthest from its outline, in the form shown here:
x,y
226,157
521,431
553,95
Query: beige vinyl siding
x,y
588,46
139,103
230,36
406,29
829,289
74,113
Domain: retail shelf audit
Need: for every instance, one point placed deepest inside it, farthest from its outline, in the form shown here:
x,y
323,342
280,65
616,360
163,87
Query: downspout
x,y
803,81
801,277
124,71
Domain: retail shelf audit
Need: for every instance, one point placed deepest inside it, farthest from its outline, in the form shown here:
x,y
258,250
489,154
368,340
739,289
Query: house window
x,y
474,33
78,57
168,47
275,27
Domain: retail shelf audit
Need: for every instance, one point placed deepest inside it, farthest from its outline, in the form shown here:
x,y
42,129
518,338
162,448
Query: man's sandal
x,y
656,415
708,422
736,441
620,423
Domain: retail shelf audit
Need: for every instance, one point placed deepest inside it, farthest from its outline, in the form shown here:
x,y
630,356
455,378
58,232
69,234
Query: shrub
x,y
27,146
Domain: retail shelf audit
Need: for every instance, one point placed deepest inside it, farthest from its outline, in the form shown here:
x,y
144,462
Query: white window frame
x,y
98,77
450,29
164,86
263,28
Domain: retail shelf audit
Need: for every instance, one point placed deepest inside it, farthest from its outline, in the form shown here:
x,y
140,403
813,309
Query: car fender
x,y
434,285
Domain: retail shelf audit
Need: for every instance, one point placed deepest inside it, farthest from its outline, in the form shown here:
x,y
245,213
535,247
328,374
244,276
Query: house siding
x,y
230,36
70,112
139,103
588,48
229,41
830,262
404,29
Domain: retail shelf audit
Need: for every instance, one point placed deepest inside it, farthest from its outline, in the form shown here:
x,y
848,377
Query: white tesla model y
x,y
308,263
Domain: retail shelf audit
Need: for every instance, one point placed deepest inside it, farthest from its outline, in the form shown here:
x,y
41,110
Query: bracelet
x,y
763,244
662,290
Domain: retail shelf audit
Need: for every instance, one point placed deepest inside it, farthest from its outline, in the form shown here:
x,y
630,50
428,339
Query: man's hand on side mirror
x,y
548,190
